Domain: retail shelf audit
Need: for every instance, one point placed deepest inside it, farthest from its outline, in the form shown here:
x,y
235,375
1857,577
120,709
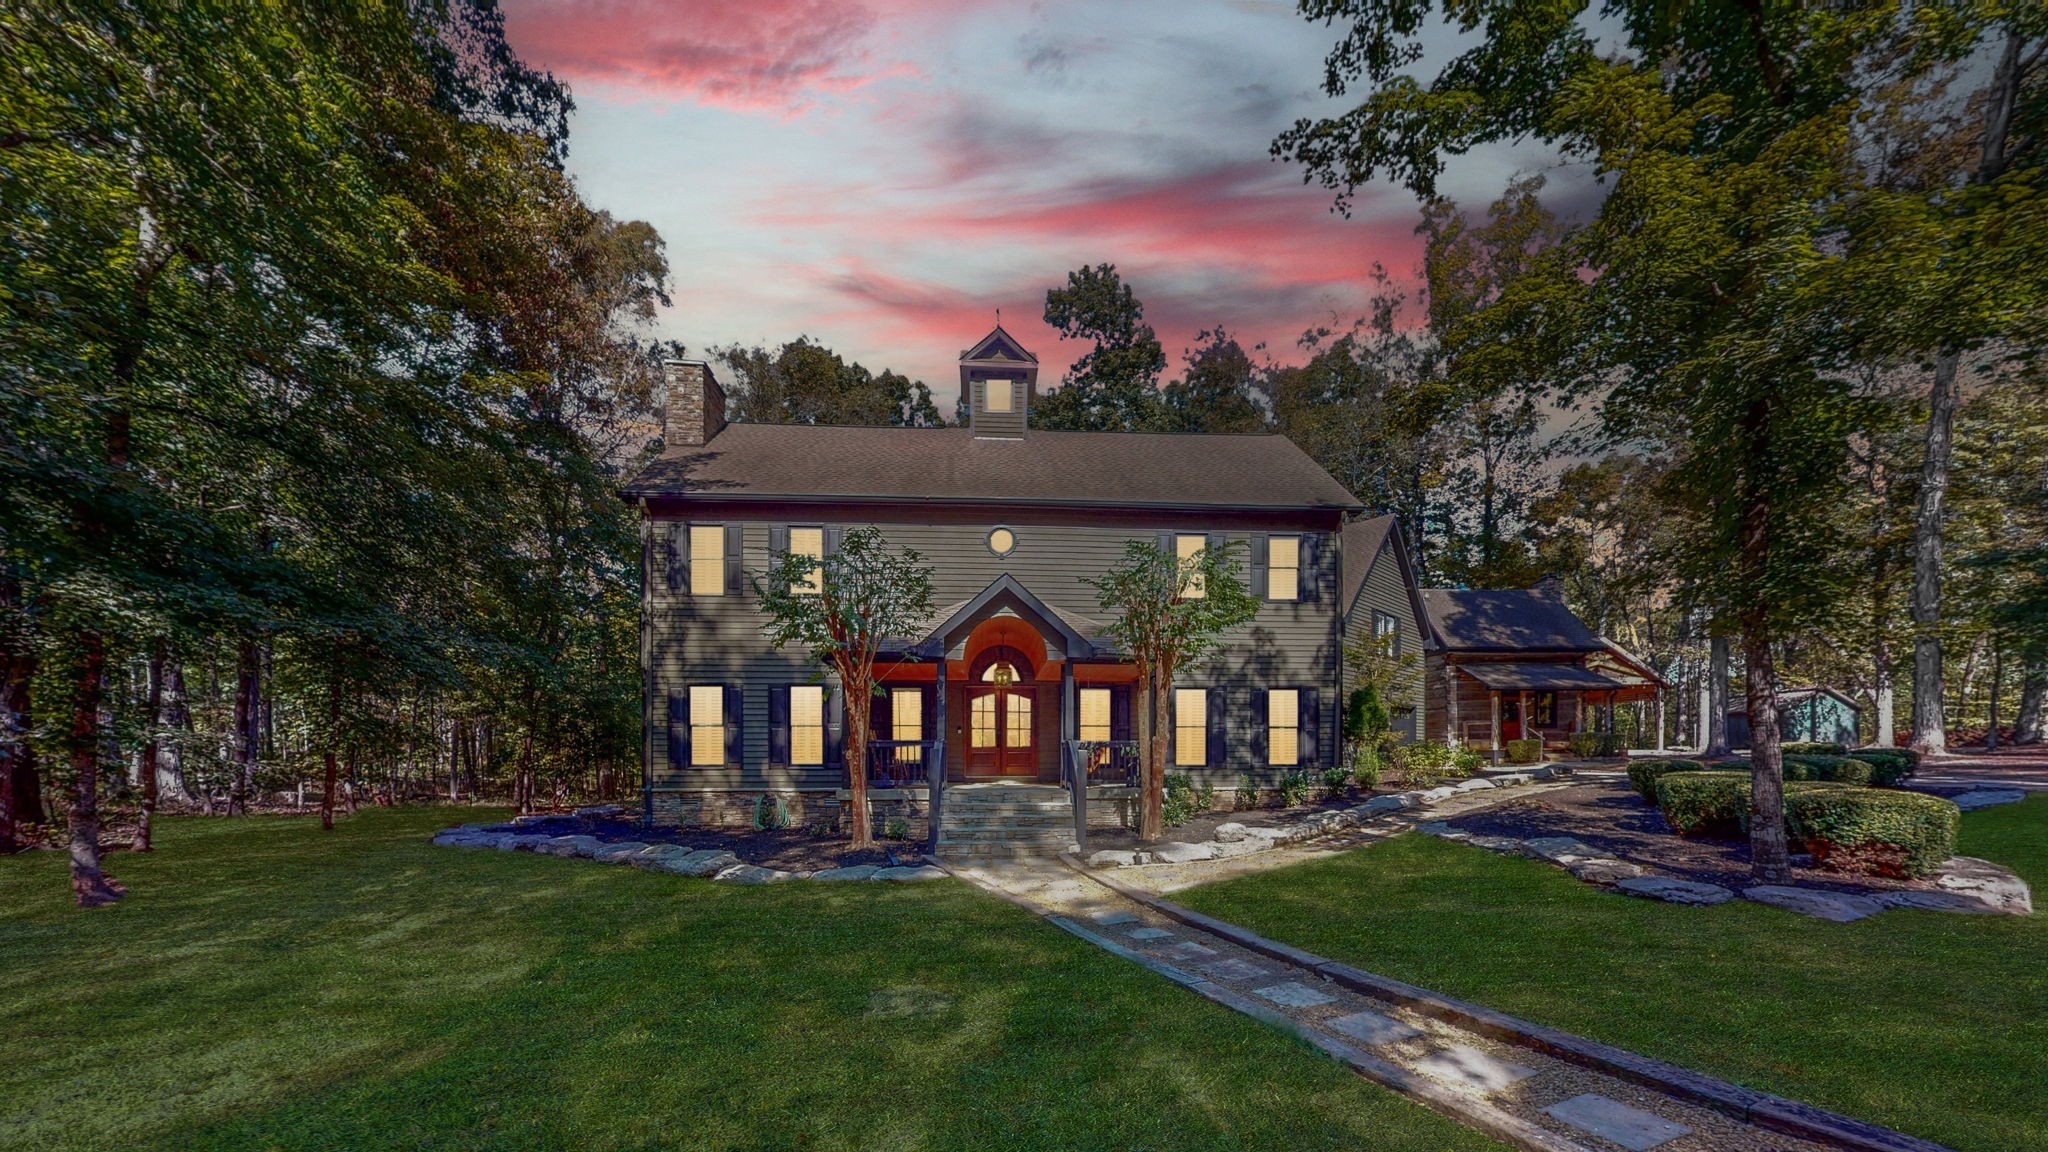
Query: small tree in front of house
x,y
1167,614
840,608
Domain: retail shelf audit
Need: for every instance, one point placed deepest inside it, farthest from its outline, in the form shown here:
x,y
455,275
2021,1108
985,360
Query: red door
x,y
1511,720
1001,730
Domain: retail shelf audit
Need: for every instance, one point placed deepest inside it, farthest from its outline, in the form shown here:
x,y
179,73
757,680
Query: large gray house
x,y
1012,518
1014,681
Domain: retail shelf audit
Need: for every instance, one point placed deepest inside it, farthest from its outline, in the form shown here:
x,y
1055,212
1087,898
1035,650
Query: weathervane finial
x,y
999,317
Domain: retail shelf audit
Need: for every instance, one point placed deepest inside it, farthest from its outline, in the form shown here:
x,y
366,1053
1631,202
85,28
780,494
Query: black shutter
x,y
1213,543
1120,712
835,728
1259,547
733,540
679,729
1311,566
882,716
928,710
1311,722
835,535
1219,721
1261,716
735,726
778,542
778,723
672,558
1166,544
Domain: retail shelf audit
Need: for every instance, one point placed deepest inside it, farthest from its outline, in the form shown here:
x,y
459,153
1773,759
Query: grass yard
x,y
1932,1023
267,987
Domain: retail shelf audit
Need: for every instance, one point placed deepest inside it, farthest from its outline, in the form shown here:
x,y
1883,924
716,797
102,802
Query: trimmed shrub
x,y
1888,766
1465,760
1643,774
1812,748
1528,750
1834,769
1595,745
1294,787
1336,780
1425,762
1874,832
1699,802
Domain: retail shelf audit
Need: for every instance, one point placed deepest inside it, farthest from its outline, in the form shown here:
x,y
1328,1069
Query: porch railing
x,y
900,763
1109,762
1086,764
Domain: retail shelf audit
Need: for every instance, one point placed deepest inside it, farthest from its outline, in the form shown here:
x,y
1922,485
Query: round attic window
x,y
1002,541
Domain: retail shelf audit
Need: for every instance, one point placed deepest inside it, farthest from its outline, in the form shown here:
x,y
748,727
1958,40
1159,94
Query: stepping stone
x,y
910,872
1674,891
1986,797
1112,858
1467,1067
1556,848
1496,843
1112,919
1613,1121
1176,852
1149,934
1234,969
852,872
1604,870
1293,994
1375,1028
1839,907
752,874
1476,785
1993,884
1188,950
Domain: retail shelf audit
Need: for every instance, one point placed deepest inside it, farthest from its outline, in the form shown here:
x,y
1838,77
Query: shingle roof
x,y
1361,542
1510,676
949,465
1515,619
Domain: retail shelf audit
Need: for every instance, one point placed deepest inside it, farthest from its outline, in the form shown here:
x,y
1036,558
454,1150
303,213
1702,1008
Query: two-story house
x,y
1014,665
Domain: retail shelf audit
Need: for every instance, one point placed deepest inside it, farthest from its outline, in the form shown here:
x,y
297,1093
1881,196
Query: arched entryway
x,y
1002,713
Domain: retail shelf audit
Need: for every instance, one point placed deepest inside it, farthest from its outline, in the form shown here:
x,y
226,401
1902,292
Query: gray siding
x,y
1011,423
1386,590
718,639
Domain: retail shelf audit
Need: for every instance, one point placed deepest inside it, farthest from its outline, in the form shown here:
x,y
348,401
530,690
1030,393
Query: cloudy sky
x,y
884,175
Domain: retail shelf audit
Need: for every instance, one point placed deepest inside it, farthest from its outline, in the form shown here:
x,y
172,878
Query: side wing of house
x,y
1383,602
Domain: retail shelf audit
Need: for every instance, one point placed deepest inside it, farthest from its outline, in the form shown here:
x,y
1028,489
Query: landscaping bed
x,y
783,849
1610,817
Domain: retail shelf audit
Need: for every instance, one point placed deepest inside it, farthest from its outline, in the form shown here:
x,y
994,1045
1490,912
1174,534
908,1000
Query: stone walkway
x,y
1514,1092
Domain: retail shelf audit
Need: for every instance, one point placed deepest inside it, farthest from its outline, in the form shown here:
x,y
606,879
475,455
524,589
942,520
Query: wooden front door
x,y
1511,720
1001,730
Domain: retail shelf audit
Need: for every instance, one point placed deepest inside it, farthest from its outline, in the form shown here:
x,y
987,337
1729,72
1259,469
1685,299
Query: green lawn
x,y
265,986
1933,1023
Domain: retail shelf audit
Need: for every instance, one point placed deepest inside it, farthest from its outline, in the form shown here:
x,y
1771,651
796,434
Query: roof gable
x,y
1515,619
1006,592
999,345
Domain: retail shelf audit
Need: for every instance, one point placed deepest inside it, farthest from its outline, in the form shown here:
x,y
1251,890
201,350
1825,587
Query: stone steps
x,y
1001,823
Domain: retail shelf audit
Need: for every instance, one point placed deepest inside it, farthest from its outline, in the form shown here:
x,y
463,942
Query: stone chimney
x,y
1551,586
696,405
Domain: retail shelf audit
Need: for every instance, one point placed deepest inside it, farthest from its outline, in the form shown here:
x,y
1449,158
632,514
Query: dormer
x,y
999,379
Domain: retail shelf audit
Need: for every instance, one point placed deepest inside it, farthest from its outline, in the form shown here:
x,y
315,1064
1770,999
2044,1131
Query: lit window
x,y
1283,568
998,393
1095,714
981,730
906,719
1190,727
808,542
1001,541
707,559
1189,550
707,725
806,724
1283,726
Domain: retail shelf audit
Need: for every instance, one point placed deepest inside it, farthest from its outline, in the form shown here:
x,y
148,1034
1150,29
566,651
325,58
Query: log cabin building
x,y
1015,682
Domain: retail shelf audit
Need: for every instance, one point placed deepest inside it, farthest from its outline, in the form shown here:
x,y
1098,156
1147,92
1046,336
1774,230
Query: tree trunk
x,y
1155,753
1769,858
146,766
2027,726
330,763
1997,674
247,711
90,885
1714,701
858,684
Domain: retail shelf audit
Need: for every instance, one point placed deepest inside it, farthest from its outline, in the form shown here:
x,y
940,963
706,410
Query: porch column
x,y
1660,719
1450,704
1496,725
939,711
1069,718
1528,716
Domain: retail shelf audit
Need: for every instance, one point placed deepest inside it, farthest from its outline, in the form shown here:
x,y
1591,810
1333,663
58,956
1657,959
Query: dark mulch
x,y
790,849
1610,817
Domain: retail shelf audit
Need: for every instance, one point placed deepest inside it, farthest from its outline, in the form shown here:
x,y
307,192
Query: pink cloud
x,y
755,55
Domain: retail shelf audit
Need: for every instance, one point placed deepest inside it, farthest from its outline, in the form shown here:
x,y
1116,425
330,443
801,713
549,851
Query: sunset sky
x,y
884,176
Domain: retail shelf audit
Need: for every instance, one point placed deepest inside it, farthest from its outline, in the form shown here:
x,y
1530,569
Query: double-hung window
x,y
1283,726
1283,568
1190,727
906,722
998,395
809,542
707,559
707,723
1095,715
1388,631
806,724
1188,550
